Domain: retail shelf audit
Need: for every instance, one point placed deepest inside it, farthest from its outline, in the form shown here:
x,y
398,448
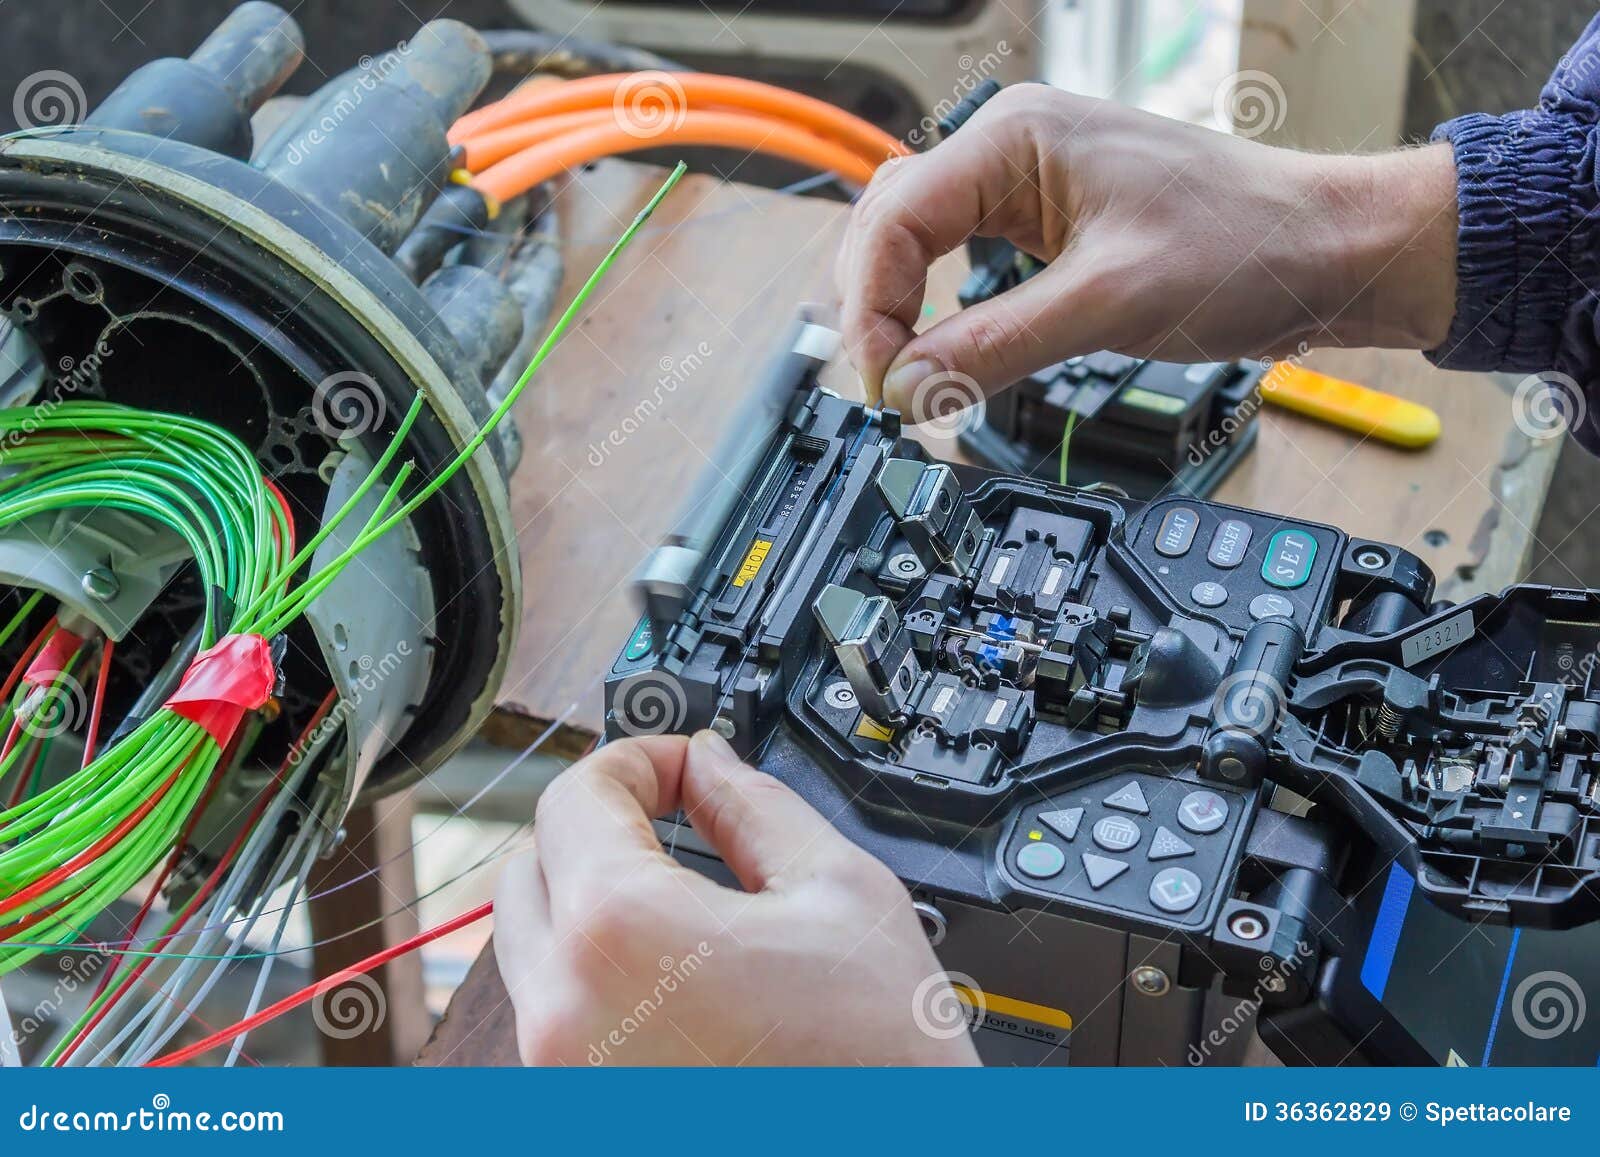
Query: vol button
x,y
1269,606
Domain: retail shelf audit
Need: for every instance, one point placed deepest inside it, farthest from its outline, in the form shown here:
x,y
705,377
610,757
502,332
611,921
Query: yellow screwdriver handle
x,y
1341,403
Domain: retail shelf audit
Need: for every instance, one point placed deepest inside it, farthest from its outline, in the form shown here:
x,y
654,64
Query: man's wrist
x,y
1391,247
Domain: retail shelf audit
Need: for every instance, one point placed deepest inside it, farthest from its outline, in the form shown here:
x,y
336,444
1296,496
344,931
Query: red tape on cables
x,y
223,683
52,658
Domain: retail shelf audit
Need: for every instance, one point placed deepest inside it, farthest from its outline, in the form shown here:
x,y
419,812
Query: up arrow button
x,y
1129,798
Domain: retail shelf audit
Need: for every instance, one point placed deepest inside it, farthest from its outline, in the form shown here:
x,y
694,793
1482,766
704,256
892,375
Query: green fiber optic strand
x,y
314,585
206,487
20,617
1066,441
1066,433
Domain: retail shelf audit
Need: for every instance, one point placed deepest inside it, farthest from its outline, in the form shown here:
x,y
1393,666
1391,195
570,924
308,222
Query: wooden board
x,y
728,266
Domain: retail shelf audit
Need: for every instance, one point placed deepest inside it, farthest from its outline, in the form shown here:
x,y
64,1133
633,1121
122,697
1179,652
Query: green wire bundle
x,y
203,484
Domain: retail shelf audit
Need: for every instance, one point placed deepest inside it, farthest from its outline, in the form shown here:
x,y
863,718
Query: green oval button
x,y
1289,558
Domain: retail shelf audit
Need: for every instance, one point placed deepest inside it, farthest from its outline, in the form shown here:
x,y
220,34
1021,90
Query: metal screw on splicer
x,y
724,727
100,584
906,565
839,695
1151,981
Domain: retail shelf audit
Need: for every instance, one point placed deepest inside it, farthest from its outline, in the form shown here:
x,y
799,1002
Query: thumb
x,y
982,350
762,830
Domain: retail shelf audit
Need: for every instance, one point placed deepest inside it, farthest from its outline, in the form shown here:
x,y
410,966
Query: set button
x,y
1290,554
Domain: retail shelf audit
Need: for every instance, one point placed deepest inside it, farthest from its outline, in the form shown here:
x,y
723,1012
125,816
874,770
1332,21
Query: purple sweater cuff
x,y
1520,201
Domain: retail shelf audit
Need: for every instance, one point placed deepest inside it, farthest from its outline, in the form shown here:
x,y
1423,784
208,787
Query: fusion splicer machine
x,y
1168,782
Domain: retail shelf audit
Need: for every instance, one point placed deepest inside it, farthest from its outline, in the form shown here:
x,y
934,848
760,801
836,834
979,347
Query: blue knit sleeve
x,y
1528,254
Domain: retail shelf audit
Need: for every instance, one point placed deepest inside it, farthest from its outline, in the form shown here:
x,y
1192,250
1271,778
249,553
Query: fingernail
x,y
900,386
716,748
873,394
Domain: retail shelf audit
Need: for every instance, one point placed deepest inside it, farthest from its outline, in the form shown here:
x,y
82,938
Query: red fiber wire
x,y
99,701
311,991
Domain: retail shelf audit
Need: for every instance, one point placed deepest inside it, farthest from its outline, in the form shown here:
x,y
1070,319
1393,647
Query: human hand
x,y
612,952
1165,240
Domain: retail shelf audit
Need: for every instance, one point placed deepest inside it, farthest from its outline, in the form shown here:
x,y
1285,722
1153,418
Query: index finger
x,y
917,210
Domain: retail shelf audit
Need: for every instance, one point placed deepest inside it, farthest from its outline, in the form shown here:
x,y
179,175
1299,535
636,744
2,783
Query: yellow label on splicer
x,y
870,728
751,566
988,1002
